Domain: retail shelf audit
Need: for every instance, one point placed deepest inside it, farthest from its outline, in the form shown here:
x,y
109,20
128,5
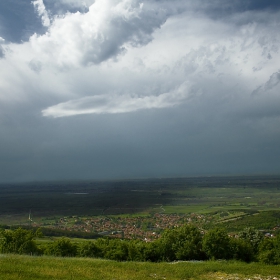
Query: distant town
x,y
146,228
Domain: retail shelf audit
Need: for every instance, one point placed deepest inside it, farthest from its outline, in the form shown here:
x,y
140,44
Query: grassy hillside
x,y
29,268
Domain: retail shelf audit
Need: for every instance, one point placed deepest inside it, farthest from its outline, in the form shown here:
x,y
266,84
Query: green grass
x,y
184,209
261,220
47,240
29,268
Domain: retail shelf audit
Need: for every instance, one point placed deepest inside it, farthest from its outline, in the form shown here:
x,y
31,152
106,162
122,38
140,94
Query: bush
x,y
90,249
269,252
136,250
62,247
241,250
184,243
152,252
252,236
216,244
19,241
117,250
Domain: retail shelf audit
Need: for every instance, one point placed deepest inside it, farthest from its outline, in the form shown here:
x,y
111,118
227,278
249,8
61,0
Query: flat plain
x,y
235,196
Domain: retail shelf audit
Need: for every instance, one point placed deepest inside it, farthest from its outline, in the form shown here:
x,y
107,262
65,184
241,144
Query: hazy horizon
x,y
128,179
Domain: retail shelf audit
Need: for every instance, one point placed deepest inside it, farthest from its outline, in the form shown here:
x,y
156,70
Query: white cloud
x,y
42,12
102,33
115,104
219,58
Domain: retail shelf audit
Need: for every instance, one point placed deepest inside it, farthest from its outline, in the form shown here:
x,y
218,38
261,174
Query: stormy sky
x,y
112,89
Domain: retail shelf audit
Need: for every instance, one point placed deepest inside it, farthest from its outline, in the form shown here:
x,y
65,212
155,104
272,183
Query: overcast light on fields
x,y
111,89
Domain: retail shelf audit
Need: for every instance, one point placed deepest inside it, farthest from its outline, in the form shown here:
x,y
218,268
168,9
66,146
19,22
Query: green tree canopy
x,y
253,236
184,243
62,247
216,244
19,241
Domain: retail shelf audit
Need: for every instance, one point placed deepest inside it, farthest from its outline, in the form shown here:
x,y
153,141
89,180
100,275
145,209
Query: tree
x,y
19,241
216,244
90,249
241,250
135,250
269,250
252,236
117,250
153,252
184,243
62,247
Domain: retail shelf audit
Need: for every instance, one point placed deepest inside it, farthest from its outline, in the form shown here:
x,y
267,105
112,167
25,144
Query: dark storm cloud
x,y
61,7
220,8
122,90
263,4
155,144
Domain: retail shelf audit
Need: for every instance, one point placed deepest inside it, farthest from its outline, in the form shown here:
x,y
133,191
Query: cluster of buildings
x,y
147,228
144,228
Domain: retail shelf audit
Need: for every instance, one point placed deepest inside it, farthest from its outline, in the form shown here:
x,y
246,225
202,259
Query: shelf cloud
x,y
115,104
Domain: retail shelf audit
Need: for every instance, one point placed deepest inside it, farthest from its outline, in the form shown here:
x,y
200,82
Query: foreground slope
x,y
29,268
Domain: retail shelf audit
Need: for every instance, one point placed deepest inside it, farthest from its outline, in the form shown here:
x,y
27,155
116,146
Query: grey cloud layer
x,y
2,50
224,57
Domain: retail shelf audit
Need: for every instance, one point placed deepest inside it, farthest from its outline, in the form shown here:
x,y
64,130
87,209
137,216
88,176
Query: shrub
x,y
252,236
90,249
19,241
269,252
184,243
62,247
216,244
241,250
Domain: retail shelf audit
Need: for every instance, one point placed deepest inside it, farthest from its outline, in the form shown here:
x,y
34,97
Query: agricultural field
x,y
90,206
184,195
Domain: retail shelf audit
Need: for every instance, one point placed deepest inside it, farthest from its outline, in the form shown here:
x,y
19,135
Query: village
x,y
144,227
147,228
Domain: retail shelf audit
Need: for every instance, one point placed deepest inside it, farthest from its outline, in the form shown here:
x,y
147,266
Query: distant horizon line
x,y
140,178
